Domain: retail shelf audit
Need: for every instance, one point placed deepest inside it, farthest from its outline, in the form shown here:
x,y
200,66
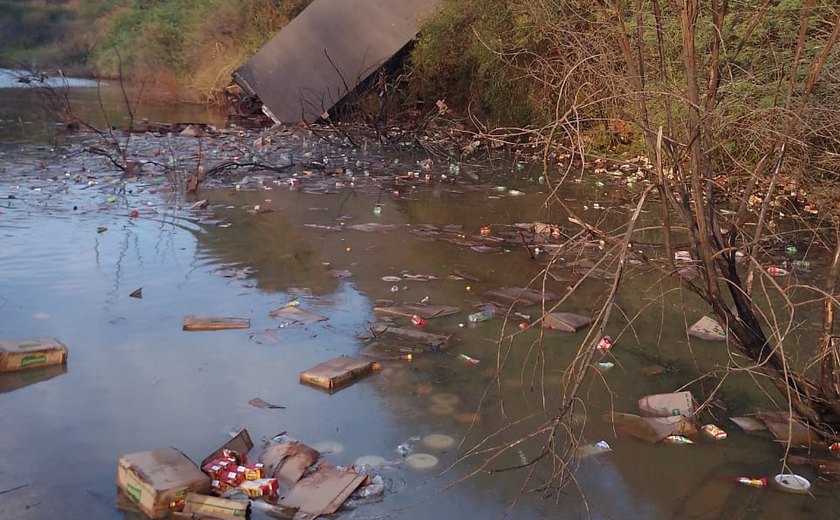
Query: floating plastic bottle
x,y
677,439
777,271
477,317
752,482
417,321
468,359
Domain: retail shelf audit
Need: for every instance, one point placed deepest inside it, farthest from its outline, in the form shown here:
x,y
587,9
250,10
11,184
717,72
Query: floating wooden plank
x,y
193,323
565,321
423,310
708,329
325,52
429,340
296,316
521,294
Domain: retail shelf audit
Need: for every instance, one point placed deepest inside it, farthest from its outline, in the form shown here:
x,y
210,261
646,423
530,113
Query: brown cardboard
x,y
708,329
522,295
749,424
337,372
240,443
650,429
787,429
202,506
427,339
427,312
565,321
31,353
296,315
288,461
159,480
665,405
207,323
323,491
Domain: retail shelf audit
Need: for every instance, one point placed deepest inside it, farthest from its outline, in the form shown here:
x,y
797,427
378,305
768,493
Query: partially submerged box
x,y
338,372
158,481
665,405
565,321
203,506
30,353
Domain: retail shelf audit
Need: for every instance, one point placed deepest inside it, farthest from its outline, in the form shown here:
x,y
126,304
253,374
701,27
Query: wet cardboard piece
x,y
31,353
11,381
708,329
427,312
296,315
203,506
522,295
159,480
650,429
665,405
324,490
826,468
288,461
749,424
788,430
337,373
429,340
565,321
193,323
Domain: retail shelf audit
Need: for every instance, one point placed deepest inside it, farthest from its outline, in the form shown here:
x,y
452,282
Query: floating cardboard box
x,y
708,329
789,429
31,353
566,321
429,340
193,323
158,481
338,373
324,490
288,461
666,405
203,506
296,316
522,295
650,429
427,312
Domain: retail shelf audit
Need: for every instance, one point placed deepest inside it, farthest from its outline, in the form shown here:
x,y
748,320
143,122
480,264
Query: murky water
x,y
70,255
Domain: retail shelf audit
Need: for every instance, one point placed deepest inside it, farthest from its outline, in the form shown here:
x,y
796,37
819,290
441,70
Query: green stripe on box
x,y
134,492
33,359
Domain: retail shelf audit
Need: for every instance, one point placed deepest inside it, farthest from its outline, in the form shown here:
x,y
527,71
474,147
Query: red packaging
x,y
213,469
235,457
417,321
485,231
252,471
264,487
218,487
834,448
232,478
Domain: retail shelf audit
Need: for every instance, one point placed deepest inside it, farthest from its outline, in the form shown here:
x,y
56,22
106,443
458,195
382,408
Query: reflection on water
x,y
26,116
70,258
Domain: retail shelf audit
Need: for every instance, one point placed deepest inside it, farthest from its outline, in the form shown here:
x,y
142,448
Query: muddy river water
x,y
70,255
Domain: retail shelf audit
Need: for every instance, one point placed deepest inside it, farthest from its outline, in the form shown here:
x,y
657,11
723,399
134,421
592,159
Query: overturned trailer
x,y
325,53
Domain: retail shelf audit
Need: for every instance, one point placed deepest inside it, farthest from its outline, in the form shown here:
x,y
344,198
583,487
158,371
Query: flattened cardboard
x,y
288,461
565,321
323,491
522,295
31,353
666,405
203,506
749,424
429,340
337,373
427,312
296,315
708,329
11,381
194,323
650,429
159,480
786,429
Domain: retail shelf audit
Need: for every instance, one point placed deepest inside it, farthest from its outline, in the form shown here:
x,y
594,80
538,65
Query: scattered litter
x,y
417,321
749,424
713,432
101,229
194,323
338,373
391,279
31,353
565,321
787,429
237,273
752,482
604,345
792,483
604,365
468,359
481,316
777,271
650,429
429,340
682,256
708,329
425,311
677,439
136,293
421,461
260,403
589,450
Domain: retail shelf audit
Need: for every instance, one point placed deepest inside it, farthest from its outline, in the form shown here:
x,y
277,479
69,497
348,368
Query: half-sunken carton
x,y
30,353
158,481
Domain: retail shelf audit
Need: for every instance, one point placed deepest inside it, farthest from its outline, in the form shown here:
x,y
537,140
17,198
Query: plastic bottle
x,y
777,271
677,439
468,359
752,482
477,317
